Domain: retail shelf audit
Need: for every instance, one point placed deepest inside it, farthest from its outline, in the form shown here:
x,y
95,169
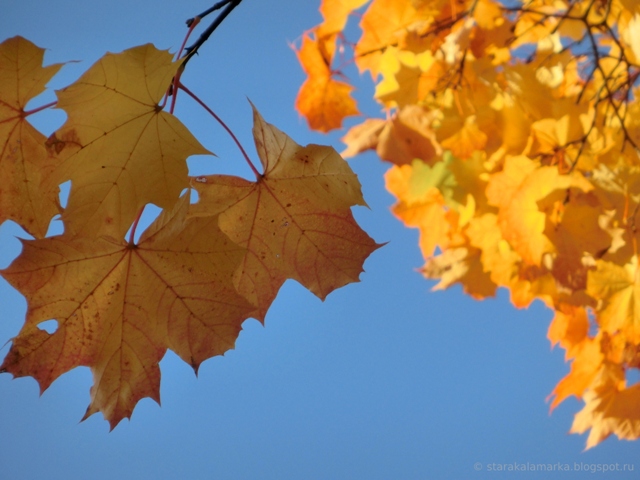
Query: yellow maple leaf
x,y
631,36
118,148
386,23
538,22
511,135
119,306
521,220
466,139
616,188
557,134
505,267
572,225
492,39
488,14
408,78
295,221
335,14
525,90
24,162
457,42
618,289
471,182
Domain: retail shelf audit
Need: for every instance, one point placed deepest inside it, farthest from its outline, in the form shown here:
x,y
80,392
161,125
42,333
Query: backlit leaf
x,y
119,306
323,101
24,161
118,148
295,221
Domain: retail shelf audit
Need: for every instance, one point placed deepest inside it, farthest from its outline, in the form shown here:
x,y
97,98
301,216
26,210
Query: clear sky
x,y
383,380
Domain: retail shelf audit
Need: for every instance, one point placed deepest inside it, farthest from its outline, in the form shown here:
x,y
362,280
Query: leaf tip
x,y
195,365
87,414
257,118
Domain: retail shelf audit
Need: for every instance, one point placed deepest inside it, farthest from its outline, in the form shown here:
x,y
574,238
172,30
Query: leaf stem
x,y
172,91
224,125
39,109
24,114
215,7
192,23
174,88
135,226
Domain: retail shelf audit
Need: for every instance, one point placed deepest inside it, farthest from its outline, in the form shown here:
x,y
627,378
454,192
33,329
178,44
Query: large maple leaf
x,y
24,161
295,221
119,306
119,149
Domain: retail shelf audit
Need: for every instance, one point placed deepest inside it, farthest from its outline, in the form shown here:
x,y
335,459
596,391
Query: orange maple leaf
x,y
24,161
587,362
460,265
119,306
420,203
295,221
362,137
610,407
405,137
569,328
119,149
322,100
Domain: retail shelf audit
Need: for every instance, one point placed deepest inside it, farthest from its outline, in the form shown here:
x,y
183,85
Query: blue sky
x,y
383,380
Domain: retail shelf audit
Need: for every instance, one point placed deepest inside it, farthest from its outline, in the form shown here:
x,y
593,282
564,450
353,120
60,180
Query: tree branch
x,y
228,6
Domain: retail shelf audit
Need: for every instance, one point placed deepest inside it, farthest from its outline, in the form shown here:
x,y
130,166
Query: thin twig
x,y
228,5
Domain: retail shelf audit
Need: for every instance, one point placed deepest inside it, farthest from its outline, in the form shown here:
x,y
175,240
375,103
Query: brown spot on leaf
x,y
56,145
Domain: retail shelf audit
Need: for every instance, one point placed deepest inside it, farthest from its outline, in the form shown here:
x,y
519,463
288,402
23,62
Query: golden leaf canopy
x,y
513,130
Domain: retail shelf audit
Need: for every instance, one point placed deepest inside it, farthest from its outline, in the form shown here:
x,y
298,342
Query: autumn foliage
x,y
513,130
198,271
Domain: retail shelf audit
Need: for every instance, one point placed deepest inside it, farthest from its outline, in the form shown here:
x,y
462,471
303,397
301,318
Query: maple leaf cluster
x,y
198,271
514,132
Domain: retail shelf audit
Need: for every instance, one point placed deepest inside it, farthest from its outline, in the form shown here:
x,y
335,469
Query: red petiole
x,y
224,125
